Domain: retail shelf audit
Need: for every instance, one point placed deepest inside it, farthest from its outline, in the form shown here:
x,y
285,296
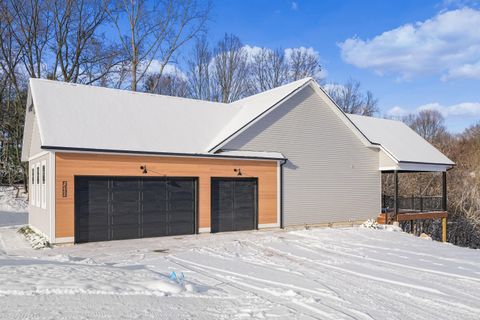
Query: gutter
x,y
172,154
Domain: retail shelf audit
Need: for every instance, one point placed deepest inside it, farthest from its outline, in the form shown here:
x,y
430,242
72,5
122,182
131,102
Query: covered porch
x,y
398,207
402,153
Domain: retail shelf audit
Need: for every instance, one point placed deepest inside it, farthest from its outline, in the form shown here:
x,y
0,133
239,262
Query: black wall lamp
x,y
144,168
238,171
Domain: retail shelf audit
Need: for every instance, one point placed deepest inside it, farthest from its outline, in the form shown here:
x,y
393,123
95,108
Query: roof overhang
x,y
244,155
417,167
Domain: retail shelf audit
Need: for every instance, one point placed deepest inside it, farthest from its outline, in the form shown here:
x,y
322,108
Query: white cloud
x,y
309,50
464,109
170,69
447,45
471,109
471,71
397,112
294,6
333,87
251,51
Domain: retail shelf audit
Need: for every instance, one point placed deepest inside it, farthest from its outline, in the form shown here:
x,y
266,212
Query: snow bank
x,y
10,203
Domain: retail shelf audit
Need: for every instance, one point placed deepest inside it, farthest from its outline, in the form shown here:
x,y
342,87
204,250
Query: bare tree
x,y
31,25
351,99
171,84
430,124
303,63
199,75
230,69
12,101
81,53
156,30
269,69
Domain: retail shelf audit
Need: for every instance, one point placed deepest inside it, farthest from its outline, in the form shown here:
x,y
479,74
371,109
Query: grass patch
x,y
37,241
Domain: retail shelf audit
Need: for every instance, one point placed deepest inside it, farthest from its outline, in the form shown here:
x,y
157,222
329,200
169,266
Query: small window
x,y
32,188
37,186
44,187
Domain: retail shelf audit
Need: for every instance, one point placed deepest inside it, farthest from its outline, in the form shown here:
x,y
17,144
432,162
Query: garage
x,y
115,208
234,204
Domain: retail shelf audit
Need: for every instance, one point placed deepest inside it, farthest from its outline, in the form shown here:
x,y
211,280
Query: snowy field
x,y
9,202
349,273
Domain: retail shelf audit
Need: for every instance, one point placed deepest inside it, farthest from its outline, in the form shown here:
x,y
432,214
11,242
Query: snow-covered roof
x,y
399,141
73,116
88,117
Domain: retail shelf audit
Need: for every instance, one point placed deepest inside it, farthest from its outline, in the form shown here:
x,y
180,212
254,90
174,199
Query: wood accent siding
x,y
70,164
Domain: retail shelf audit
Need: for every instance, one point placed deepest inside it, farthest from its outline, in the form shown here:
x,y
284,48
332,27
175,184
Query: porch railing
x,y
412,203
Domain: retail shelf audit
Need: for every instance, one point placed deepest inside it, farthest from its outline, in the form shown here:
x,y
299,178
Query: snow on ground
x,y
9,202
350,273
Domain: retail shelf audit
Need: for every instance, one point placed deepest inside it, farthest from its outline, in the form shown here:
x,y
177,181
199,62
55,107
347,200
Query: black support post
x,y
395,195
444,191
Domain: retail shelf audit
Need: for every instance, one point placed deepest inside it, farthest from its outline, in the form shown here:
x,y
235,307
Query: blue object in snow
x,y
177,278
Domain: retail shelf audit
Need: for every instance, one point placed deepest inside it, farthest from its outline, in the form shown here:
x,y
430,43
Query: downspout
x,y
281,193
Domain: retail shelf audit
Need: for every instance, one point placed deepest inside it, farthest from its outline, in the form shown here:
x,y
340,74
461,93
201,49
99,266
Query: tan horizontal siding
x,y
70,164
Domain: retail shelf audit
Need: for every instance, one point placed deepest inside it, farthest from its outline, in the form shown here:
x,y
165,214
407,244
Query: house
x,y
107,164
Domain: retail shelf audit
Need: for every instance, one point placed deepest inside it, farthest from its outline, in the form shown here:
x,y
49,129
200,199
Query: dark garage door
x,y
114,208
234,204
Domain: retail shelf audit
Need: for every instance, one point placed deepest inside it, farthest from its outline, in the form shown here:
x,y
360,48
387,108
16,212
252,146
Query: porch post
x,y
444,205
395,195
444,191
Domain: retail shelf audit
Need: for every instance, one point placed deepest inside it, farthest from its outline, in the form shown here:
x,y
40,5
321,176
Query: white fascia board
x,y
422,167
37,117
427,167
28,128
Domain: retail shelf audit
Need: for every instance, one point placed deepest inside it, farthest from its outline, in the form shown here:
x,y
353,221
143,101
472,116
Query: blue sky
x,y
410,54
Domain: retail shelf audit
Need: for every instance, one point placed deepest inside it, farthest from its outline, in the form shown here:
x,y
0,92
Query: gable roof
x,y
78,117
399,141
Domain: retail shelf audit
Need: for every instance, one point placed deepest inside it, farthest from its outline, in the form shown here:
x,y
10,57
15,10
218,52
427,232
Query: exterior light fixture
x,y
238,171
144,168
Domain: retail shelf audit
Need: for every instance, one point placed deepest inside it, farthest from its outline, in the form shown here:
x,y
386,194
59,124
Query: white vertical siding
x,y
39,214
330,176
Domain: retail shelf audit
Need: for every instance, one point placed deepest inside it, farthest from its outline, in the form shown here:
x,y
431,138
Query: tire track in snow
x,y
355,273
411,252
205,274
261,250
359,314
441,303
395,264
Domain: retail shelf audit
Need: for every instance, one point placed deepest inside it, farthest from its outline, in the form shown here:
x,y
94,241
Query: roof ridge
x,y
125,91
296,83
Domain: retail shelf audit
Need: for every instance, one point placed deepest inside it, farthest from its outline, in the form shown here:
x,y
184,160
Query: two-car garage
x,y
114,208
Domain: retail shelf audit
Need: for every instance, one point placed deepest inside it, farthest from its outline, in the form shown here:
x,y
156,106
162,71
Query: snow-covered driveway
x,y
349,273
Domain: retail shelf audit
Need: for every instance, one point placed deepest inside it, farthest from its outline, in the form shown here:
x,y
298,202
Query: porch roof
x,y
402,148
